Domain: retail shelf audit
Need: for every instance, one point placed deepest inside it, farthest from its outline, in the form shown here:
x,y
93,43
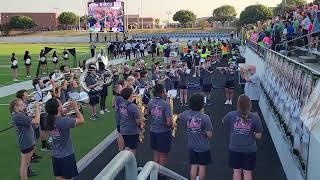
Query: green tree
x,y
157,22
287,5
22,22
294,2
67,19
184,17
224,14
254,13
204,24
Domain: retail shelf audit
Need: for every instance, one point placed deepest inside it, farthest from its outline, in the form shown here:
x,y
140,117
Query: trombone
x,y
142,118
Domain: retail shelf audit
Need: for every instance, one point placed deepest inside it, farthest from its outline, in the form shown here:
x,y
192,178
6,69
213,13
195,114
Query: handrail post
x,y
154,174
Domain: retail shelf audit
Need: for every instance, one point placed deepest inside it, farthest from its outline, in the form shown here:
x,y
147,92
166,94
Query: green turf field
x,y
82,51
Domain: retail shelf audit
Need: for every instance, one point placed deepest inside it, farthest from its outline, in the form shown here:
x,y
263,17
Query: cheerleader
x,y
43,62
229,82
27,63
65,57
183,84
14,66
55,60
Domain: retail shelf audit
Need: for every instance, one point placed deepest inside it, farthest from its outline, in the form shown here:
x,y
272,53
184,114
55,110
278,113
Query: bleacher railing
x,y
126,159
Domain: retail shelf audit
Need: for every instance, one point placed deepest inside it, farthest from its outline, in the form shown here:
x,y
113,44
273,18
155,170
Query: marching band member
x,y
245,128
129,120
183,84
27,63
63,158
91,83
65,56
131,84
160,118
25,134
14,67
55,59
43,62
115,103
104,92
229,83
196,63
199,131
126,71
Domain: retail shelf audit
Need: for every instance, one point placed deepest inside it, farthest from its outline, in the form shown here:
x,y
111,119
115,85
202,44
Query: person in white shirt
x,y
252,87
142,48
128,47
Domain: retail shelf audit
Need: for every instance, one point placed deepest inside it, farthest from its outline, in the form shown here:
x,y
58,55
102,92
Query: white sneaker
x,y
227,102
194,75
230,102
101,112
15,79
106,110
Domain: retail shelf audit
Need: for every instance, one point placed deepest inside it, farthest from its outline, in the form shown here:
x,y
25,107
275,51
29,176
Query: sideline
x,y
96,151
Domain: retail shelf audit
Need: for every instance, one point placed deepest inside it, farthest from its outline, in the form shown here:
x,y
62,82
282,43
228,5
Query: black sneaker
x,y
96,116
32,173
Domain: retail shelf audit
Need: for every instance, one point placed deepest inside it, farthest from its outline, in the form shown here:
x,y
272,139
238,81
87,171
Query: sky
x,y
150,8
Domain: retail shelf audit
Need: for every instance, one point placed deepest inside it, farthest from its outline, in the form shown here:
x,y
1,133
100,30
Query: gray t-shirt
x,y
117,100
24,130
197,124
242,138
158,111
252,87
129,113
206,76
183,78
62,145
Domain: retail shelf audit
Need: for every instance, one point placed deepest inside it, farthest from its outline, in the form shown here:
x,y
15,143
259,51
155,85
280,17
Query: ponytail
x,y
51,107
244,107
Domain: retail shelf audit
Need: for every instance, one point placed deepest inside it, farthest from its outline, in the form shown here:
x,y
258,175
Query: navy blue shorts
x,y
183,87
26,151
200,158
229,84
240,160
131,141
94,99
65,167
161,142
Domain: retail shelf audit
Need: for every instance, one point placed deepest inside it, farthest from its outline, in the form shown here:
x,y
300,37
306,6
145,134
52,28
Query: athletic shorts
x,y
65,167
207,87
131,141
200,158
43,122
240,160
14,67
183,87
229,84
43,62
161,142
28,150
94,99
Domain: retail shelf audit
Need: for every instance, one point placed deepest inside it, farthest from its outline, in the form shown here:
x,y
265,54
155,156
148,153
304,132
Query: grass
x,y
82,52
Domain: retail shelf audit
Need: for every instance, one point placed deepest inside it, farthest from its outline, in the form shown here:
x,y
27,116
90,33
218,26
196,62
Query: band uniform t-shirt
x,y
159,110
205,75
129,113
24,130
117,100
183,78
197,124
242,138
90,80
64,96
61,138
230,75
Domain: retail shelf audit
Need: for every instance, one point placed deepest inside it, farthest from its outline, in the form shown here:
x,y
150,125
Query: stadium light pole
x,y
141,15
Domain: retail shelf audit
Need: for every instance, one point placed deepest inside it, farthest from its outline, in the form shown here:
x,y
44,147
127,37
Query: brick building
x,y
44,21
135,22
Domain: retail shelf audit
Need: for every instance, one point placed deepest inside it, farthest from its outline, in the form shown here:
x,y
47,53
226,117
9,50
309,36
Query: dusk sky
x,y
151,8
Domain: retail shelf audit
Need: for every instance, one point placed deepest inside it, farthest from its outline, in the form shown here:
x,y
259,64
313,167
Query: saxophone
x,y
174,118
142,118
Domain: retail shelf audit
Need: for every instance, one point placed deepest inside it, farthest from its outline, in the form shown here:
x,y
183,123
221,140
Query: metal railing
x,y
126,159
152,169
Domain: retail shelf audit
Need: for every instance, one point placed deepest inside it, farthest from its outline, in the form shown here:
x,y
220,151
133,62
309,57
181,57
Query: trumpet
x,y
142,118
82,100
31,110
174,119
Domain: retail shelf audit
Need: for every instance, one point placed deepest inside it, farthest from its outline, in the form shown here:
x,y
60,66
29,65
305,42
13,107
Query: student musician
x,y
130,121
229,82
126,71
115,103
183,83
104,91
25,134
14,67
160,118
63,157
206,74
199,131
92,83
196,63
27,63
